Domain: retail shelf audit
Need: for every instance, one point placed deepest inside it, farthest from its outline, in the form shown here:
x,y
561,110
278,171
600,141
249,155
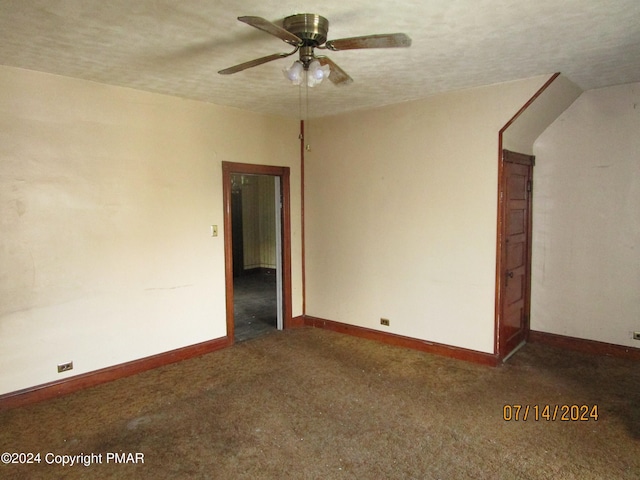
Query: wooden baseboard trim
x,y
72,384
585,346
407,342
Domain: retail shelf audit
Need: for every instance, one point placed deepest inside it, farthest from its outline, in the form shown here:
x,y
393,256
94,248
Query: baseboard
x,y
402,341
72,384
258,270
585,346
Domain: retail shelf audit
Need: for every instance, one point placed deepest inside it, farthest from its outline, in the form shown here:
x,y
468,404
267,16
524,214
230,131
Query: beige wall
x,y
586,207
541,113
400,214
106,198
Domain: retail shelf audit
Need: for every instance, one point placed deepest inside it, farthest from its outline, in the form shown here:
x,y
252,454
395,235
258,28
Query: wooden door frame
x,y
501,219
229,169
523,159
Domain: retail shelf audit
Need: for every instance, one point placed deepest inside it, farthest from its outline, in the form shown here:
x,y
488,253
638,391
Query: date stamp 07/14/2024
x,y
550,413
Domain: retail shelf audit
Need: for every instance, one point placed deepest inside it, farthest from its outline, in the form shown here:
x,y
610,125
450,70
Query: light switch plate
x,y
214,230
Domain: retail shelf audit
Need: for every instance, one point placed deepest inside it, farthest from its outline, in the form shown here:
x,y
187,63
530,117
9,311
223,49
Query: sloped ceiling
x,y
177,47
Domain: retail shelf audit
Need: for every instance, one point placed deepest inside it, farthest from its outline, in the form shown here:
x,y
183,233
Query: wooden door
x,y
514,271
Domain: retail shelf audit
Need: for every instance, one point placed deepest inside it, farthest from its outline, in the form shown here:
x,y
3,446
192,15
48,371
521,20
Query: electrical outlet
x,y
636,335
65,367
384,321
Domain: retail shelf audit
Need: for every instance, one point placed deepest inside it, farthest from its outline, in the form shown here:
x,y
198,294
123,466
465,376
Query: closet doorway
x,y
257,249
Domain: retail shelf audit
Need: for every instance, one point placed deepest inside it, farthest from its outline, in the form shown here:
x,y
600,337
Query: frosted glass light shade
x,y
295,73
316,73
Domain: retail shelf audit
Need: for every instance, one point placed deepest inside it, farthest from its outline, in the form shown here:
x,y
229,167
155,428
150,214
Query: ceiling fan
x,y
306,32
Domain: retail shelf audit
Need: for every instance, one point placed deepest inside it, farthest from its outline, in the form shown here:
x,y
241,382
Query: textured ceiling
x,y
176,47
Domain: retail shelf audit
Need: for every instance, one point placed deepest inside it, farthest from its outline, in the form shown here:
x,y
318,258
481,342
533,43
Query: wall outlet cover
x,y
65,367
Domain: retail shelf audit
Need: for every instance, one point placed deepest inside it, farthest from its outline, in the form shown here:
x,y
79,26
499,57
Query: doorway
x,y
257,238
257,282
513,298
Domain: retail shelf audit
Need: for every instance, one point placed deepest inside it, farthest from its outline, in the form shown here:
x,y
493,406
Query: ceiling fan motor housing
x,y
312,29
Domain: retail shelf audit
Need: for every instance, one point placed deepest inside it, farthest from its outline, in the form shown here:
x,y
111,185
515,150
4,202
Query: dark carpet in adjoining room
x,y
313,404
254,304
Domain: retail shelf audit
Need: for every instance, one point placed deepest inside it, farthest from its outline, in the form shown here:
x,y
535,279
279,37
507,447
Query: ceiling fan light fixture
x,y
316,73
294,73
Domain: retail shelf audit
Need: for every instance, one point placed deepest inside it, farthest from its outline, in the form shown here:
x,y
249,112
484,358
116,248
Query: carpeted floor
x,y
314,404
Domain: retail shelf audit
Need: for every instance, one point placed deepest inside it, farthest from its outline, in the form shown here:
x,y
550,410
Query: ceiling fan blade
x,y
384,40
253,63
271,28
337,75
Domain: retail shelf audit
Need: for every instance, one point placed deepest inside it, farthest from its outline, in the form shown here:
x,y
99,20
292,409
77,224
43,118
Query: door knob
x,y
509,275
